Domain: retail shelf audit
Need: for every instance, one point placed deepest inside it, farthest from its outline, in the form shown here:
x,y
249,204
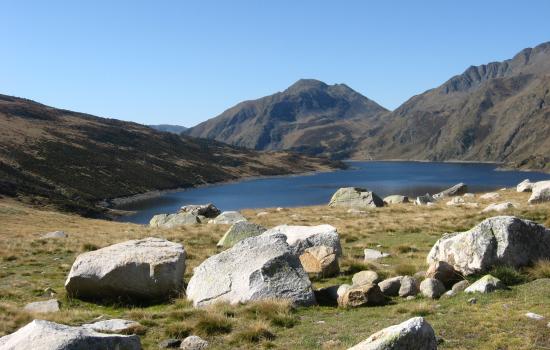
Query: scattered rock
x,y
150,268
534,316
472,301
194,342
356,211
456,190
485,284
207,210
444,272
456,201
500,240
48,335
302,237
499,207
355,197
170,343
228,218
320,260
541,192
47,306
373,254
460,286
116,325
424,200
490,195
391,286
173,220
432,288
260,267
239,231
396,199
364,295
342,289
54,234
525,186
413,334
365,277
409,287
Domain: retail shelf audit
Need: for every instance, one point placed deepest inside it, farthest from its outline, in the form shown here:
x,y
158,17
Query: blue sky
x,y
182,62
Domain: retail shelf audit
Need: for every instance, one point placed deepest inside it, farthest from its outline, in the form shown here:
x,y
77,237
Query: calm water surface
x,y
384,178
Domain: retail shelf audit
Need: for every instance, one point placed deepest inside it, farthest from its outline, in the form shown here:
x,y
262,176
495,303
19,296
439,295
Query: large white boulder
x,y
173,220
302,237
541,192
500,240
260,267
149,268
45,335
525,186
413,334
355,197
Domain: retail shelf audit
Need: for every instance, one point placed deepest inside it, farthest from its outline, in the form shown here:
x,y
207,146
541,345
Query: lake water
x,y
384,178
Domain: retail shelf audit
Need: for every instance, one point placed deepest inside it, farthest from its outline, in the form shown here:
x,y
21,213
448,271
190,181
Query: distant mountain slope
x,y
310,116
174,129
73,160
494,112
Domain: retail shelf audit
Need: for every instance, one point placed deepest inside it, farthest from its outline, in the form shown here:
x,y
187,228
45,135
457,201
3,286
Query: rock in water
x,y
413,334
432,288
396,199
321,260
525,186
45,335
228,218
355,197
364,295
485,284
173,220
456,190
207,210
47,306
302,237
239,231
500,240
499,207
259,267
150,268
541,192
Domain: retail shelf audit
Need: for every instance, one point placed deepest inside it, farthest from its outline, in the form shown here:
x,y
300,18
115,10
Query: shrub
x,y
508,275
405,270
212,324
178,330
253,333
541,269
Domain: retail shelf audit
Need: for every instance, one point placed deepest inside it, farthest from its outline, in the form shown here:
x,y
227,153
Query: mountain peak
x,y
307,84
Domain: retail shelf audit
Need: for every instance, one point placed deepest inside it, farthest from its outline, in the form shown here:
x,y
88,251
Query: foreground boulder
x,y
228,218
239,231
260,267
396,199
302,237
321,261
525,186
364,295
413,334
456,190
45,335
485,284
150,268
500,240
173,220
207,210
541,192
355,197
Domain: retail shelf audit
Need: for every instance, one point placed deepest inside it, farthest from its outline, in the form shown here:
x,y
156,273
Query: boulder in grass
x,y
457,190
115,325
173,220
193,342
46,306
256,268
413,334
432,288
365,277
321,261
444,272
391,286
460,286
355,197
499,207
207,210
46,335
485,284
408,287
373,254
490,196
541,192
500,240
396,199
327,296
228,218
424,200
525,186
302,237
149,269
239,231
364,295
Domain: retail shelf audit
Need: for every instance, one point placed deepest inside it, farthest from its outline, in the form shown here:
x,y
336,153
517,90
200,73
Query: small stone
x,y
262,213
227,218
373,254
365,295
534,316
410,297
472,301
47,306
193,342
365,277
499,207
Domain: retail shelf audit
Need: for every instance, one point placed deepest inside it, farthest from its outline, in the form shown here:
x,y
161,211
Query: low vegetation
x,y
29,265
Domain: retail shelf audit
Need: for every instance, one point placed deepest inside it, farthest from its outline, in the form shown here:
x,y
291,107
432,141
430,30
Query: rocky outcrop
x,y
365,295
490,196
355,197
413,334
228,218
541,192
485,284
321,261
46,335
500,240
260,267
173,220
456,190
239,231
150,268
302,237
207,210
396,199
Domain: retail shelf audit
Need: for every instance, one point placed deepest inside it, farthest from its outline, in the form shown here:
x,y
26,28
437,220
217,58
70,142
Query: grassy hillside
x,y
496,321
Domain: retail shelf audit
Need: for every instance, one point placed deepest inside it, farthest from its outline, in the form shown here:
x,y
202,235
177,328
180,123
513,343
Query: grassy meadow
x,y
29,265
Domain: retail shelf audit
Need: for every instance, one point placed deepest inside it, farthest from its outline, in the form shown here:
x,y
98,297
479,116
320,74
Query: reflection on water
x,y
384,178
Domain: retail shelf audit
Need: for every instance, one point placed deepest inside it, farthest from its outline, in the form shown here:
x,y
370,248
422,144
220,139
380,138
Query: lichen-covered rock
x,y
541,192
364,295
355,197
321,261
239,231
485,284
150,268
228,218
460,286
260,267
46,335
456,190
432,288
365,277
413,334
299,238
173,220
525,186
396,199
500,240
